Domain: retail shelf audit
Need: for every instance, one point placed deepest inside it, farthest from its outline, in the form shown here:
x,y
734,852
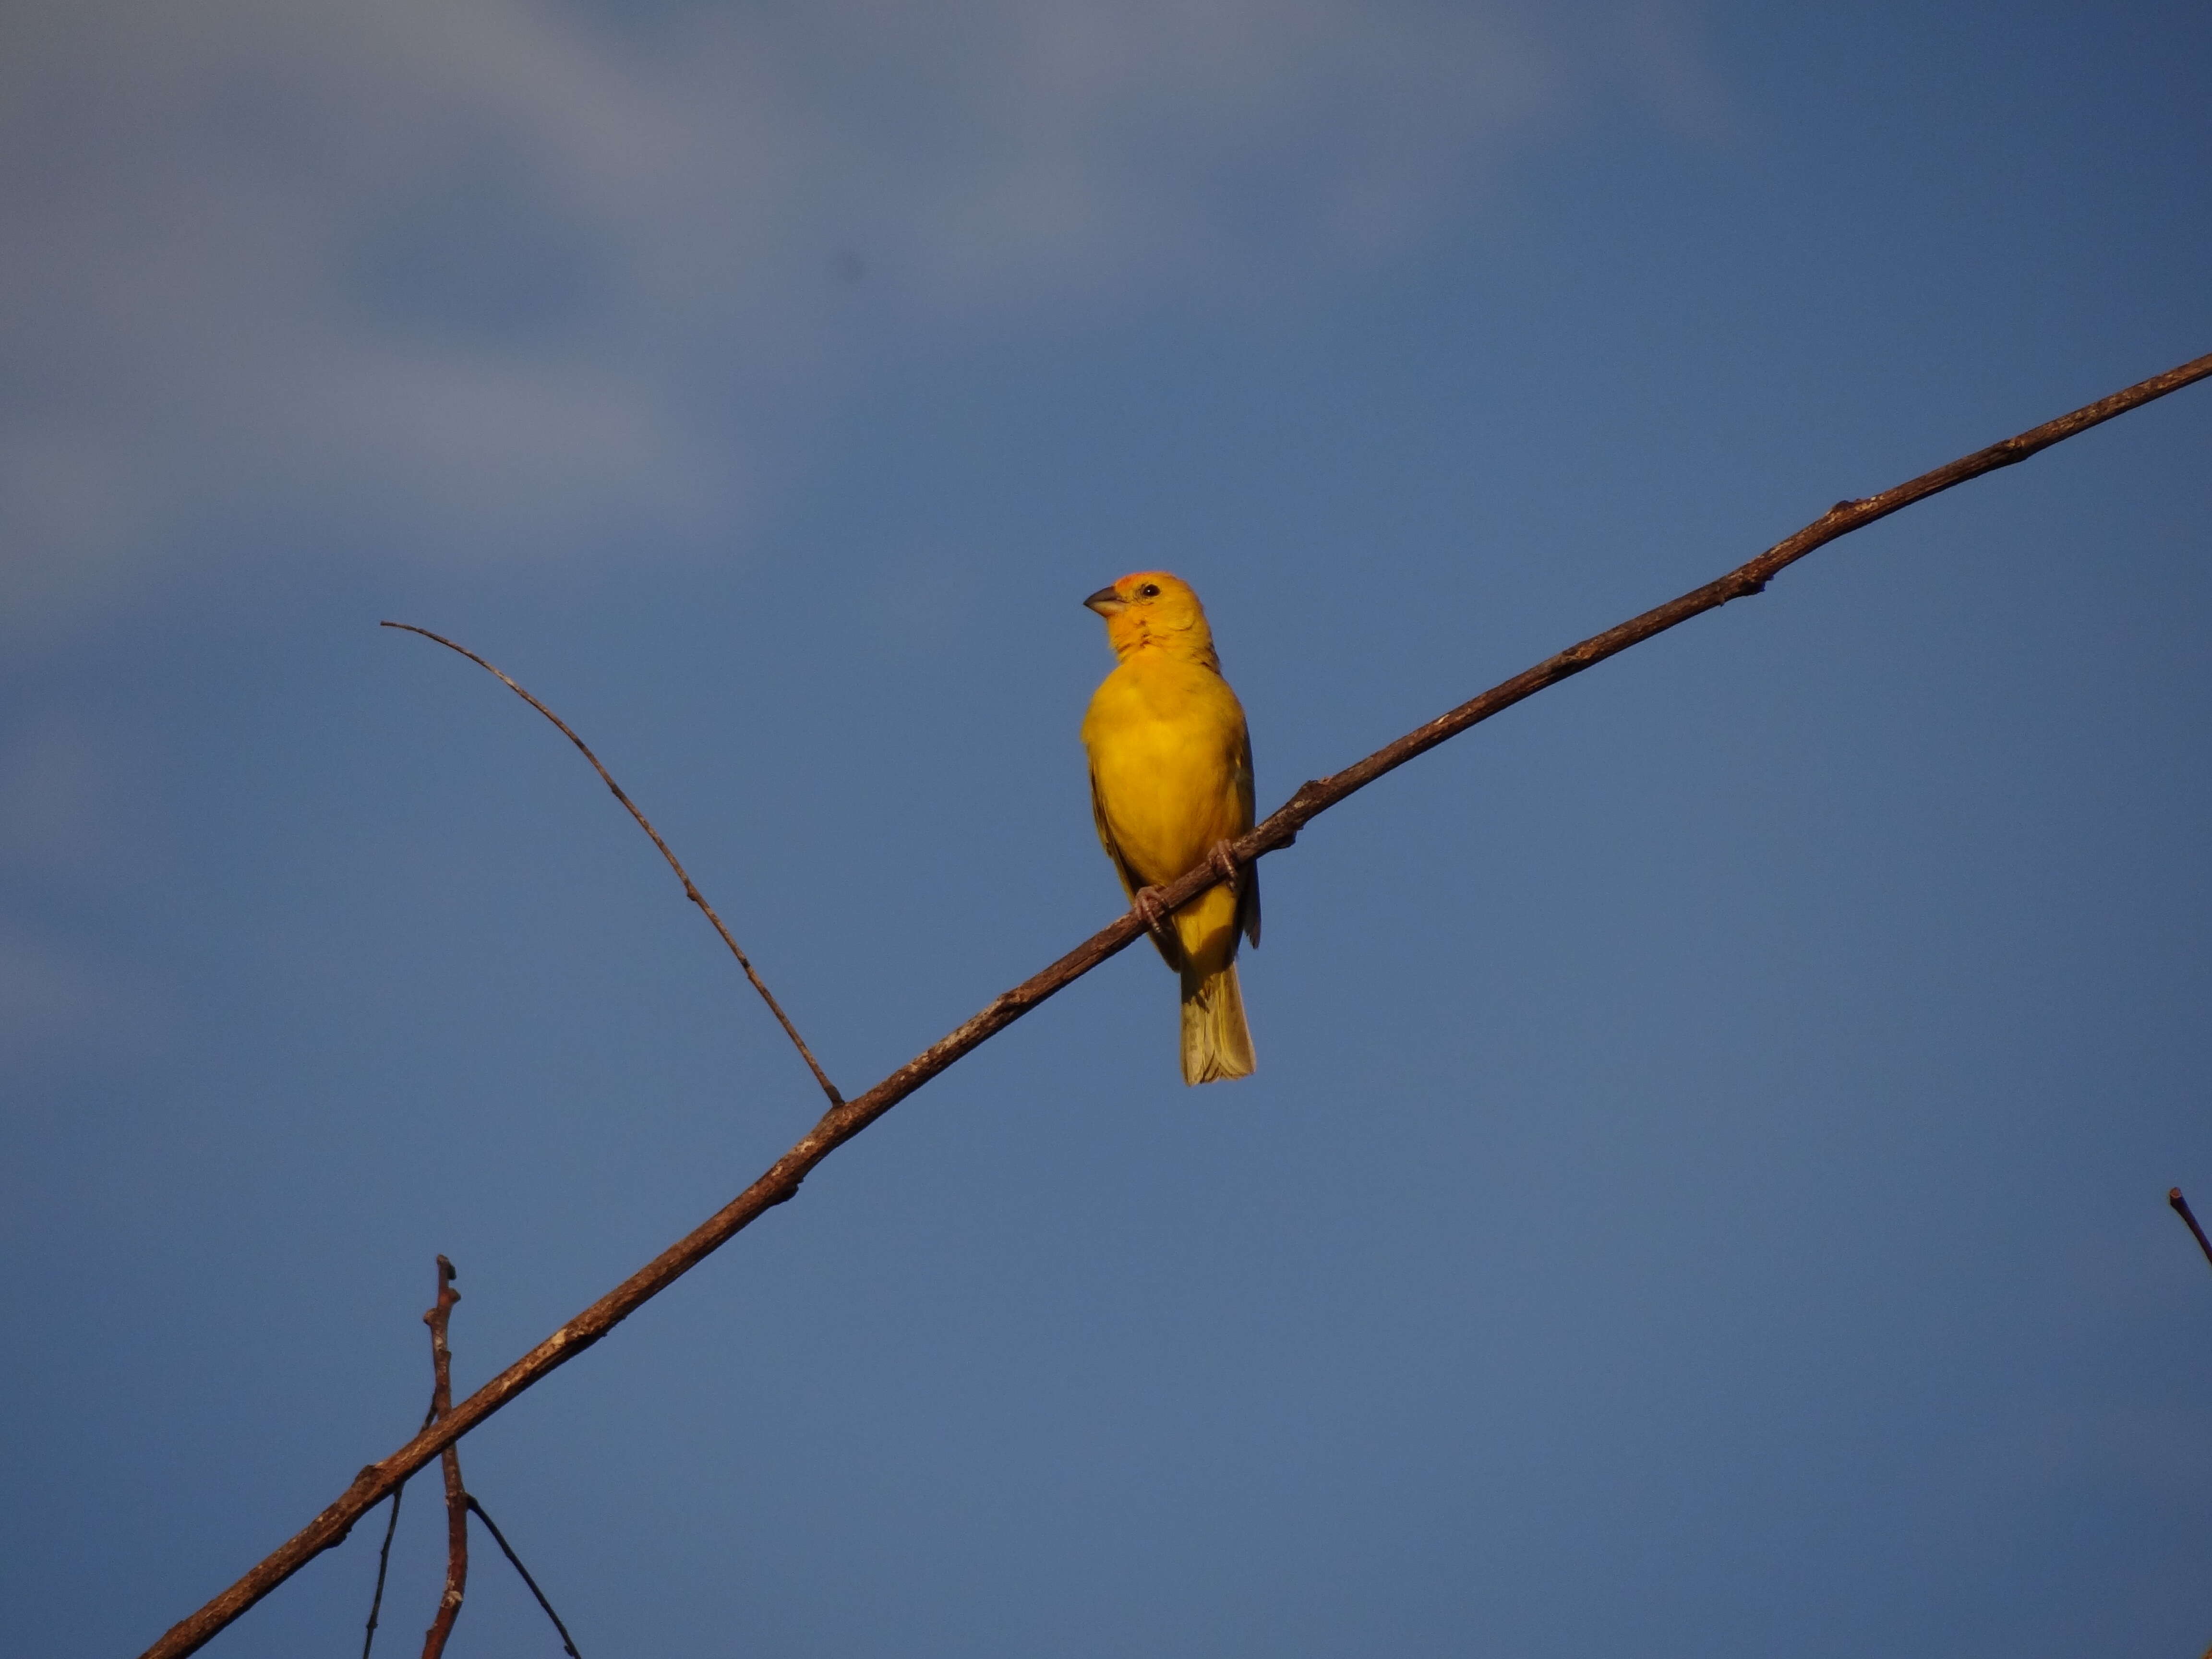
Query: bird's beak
x,y
1105,602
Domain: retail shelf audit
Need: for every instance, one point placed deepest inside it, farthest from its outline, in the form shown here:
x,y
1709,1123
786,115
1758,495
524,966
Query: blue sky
x,y
1704,1187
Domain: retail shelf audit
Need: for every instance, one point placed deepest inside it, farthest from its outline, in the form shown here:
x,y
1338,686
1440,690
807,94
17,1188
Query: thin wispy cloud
x,y
498,279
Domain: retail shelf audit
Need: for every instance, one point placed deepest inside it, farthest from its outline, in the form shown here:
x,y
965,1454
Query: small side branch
x,y
456,1498
567,1642
2181,1208
384,1552
690,890
383,1566
779,1183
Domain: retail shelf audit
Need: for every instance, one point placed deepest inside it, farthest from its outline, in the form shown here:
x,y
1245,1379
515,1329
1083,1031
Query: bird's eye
x,y
1149,591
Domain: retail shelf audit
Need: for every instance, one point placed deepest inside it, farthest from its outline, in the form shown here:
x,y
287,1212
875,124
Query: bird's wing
x,y
1129,882
1248,884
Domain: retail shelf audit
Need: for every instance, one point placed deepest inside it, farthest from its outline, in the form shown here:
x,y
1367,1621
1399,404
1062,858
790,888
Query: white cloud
x,y
501,274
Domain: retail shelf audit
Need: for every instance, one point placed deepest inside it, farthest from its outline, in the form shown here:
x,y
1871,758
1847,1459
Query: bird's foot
x,y
1145,902
1222,862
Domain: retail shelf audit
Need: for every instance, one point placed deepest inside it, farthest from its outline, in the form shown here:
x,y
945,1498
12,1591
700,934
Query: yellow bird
x,y
1171,787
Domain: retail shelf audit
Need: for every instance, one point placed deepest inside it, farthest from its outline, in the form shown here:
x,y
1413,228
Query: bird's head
x,y
1152,608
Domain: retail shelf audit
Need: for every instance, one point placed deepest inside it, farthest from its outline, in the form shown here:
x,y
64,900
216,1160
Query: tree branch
x,y
690,892
2180,1206
841,1122
383,1566
439,1318
392,1526
568,1642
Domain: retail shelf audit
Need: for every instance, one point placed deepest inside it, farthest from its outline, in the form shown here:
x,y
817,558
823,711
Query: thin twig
x,y
457,1498
383,1565
690,890
568,1642
840,1124
2181,1208
384,1554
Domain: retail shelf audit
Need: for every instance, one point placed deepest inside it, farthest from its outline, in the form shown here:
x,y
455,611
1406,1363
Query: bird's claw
x,y
1222,862
1145,902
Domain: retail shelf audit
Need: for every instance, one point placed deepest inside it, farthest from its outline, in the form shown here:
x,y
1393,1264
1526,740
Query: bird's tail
x,y
1217,1043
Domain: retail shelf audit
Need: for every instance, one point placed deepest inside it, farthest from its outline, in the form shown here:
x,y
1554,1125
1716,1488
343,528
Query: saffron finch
x,y
1170,785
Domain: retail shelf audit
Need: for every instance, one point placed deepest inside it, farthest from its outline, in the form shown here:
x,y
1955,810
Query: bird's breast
x,y
1166,742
